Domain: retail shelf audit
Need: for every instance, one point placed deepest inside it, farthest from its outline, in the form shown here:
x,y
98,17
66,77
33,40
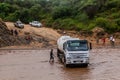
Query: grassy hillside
x,y
65,14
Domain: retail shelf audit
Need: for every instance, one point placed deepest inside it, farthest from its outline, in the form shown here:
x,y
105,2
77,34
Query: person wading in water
x,y
51,56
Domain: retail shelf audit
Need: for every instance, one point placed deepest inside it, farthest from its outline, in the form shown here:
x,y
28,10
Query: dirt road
x,y
48,33
34,65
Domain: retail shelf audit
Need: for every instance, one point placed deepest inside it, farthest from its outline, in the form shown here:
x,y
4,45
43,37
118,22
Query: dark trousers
x,y
51,59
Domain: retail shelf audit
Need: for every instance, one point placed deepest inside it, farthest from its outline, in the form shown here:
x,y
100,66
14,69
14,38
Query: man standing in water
x,y
112,41
51,56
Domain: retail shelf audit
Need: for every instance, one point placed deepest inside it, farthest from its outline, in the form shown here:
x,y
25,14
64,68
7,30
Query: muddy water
x,y
34,65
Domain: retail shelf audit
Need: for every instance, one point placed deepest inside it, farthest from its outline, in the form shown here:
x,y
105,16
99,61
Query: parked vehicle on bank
x,y
19,24
73,51
35,24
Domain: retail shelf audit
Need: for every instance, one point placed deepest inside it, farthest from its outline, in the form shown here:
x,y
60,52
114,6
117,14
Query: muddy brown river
x,y
34,65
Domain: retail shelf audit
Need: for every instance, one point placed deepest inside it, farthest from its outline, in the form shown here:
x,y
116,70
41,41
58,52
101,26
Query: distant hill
x,y
80,15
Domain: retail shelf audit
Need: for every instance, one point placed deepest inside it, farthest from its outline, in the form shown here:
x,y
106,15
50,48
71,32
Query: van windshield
x,y
77,45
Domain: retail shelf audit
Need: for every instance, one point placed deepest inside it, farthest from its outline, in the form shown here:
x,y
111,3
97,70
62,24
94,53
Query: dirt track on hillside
x,y
44,32
48,34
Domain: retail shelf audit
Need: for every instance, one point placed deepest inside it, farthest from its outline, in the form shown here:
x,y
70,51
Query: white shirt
x,y
113,39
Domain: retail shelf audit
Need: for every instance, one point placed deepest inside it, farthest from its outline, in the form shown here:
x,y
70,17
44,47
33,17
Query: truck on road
x,y
73,51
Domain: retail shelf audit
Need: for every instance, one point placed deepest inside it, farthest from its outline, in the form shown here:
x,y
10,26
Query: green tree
x,y
61,12
4,8
35,12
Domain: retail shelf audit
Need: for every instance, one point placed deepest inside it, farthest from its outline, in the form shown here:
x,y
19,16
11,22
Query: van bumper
x,y
78,61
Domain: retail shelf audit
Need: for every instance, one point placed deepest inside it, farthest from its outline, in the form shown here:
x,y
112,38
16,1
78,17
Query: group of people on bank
x,y
14,32
103,40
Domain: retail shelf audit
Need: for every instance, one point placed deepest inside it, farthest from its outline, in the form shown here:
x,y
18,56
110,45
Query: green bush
x,y
80,26
61,12
82,17
113,27
114,10
102,22
2,15
11,17
117,21
113,3
57,24
109,25
48,22
91,26
68,24
115,15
